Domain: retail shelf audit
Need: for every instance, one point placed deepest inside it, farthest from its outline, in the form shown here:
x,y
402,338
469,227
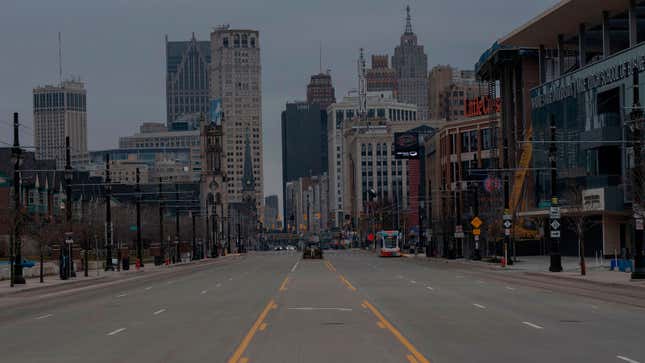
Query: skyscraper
x,y
304,142
320,90
381,77
235,75
187,81
61,111
411,65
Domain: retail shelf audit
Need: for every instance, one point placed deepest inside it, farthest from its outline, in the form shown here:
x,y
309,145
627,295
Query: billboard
x,y
216,111
406,145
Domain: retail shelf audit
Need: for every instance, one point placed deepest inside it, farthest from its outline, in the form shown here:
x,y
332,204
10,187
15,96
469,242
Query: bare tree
x,y
577,219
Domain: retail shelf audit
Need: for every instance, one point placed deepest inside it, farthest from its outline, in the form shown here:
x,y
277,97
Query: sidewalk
x,y
597,271
53,282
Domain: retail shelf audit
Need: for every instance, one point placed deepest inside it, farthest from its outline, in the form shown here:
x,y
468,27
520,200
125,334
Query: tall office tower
x,y
320,90
61,111
381,77
411,65
439,79
235,75
304,142
271,213
187,82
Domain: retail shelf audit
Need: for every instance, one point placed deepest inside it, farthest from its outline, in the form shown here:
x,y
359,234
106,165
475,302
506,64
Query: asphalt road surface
x,y
350,307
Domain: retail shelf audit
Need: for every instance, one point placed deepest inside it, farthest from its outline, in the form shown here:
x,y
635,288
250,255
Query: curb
x,y
627,283
107,280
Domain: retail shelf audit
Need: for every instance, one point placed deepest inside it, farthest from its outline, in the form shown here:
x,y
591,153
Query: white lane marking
x,y
295,266
204,291
480,281
429,288
218,285
43,316
158,311
413,282
399,276
459,276
149,287
479,306
510,288
532,325
309,308
116,331
626,359
122,295
595,307
170,281
230,279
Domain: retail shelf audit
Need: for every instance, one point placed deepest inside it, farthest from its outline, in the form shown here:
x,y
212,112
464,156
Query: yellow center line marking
x,y
412,359
364,306
419,358
330,266
283,287
237,356
380,324
347,283
263,326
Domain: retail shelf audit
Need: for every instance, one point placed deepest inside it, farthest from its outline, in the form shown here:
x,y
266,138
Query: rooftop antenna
x,y
60,59
408,21
320,57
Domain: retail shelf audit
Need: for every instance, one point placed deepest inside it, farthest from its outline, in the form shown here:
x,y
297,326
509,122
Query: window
x,y
236,40
464,142
225,42
486,140
252,42
473,140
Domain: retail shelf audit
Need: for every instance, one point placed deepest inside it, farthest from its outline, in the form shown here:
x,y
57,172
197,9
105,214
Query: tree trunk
x,y
583,266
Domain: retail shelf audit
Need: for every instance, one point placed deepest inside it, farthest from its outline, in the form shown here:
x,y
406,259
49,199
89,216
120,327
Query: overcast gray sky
x,y
116,47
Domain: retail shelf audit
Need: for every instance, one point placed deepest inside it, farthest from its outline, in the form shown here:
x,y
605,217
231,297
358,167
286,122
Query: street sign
x,y
555,234
554,212
555,224
639,224
476,238
477,231
507,232
508,217
459,234
476,222
507,224
459,228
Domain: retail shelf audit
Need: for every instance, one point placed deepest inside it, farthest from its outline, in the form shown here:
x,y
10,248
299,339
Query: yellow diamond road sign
x,y
476,222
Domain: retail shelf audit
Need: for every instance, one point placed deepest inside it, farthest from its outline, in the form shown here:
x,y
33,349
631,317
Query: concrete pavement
x,y
350,307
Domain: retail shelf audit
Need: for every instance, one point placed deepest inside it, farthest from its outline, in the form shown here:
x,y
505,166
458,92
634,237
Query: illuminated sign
x,y
481,106
406,145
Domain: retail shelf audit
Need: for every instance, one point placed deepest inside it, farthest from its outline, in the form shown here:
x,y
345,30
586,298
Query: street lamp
x,y
16,158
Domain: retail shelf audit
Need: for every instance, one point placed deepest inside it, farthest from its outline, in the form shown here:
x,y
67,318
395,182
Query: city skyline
x,y
128,90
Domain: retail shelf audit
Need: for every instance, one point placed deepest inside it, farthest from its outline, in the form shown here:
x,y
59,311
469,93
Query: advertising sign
x,y
406,145
593,199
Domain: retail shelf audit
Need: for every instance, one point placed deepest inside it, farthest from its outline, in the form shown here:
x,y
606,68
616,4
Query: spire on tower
x,y
408,21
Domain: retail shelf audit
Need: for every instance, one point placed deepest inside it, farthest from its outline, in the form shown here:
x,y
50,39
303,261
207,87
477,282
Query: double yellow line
x,y
330,267
415,356
237,355
342,278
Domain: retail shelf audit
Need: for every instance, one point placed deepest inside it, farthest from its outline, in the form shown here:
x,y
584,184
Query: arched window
x,y
236,41
252,42
245,41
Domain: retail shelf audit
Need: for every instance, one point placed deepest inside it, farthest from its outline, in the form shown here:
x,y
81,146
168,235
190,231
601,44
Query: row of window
x,y
61,100
243,41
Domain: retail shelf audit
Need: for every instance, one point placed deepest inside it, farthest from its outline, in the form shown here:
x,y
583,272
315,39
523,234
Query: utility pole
x,y
68,207
108,216
177,237
192,217
477,254
16,261
139,244
637,182
228,228
215,252
554,215
507,218
161,239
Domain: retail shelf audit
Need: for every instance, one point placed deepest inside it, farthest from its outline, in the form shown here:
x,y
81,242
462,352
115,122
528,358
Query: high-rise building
x,y
187,81
381,77
411,65
320,90
61,111
235,75
439,79
304,142
449,88
271,213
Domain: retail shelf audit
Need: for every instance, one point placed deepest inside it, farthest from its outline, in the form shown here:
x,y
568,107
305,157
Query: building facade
x,y
320,90
449,88
60,112
304,142
271,213
382,107
411,65
236,82
306,202
187,80
381,77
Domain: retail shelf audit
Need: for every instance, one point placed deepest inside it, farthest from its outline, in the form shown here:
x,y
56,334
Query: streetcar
x,y
388,243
